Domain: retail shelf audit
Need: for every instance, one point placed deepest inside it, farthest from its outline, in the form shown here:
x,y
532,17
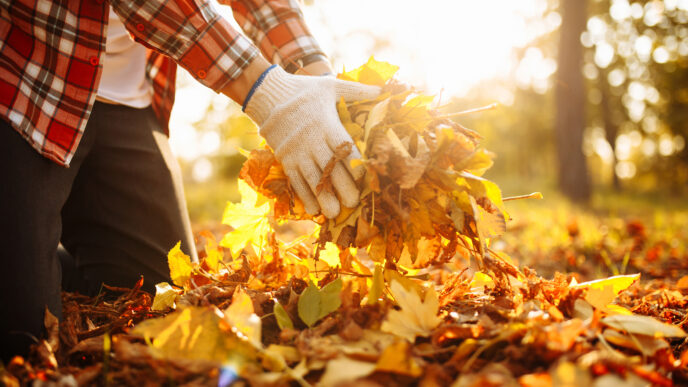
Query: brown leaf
x,y
340,153
52,326
257,167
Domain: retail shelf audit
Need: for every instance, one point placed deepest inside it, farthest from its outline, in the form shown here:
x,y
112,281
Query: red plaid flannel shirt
x,y
51,53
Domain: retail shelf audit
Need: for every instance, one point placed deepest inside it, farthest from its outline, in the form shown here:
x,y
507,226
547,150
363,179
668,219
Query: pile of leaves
x,y
384,295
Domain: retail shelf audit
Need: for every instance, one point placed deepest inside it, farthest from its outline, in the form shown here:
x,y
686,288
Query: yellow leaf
x,y
193,333
249,219
416,317
408,283
617,309
618,282
397,359
479,162
180,266
354,129
482,280
602,292
240,315
330,254
213,255
566,373
481,187
377,286
165,297
415,112
600,298
317,270
371,73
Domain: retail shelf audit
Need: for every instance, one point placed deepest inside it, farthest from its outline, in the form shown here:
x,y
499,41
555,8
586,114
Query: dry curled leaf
x,y
340,154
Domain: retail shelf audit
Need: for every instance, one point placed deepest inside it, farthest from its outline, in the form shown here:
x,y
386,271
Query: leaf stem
x,y
534,195
450,115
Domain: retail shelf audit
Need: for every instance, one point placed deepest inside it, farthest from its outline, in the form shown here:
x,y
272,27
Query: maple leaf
x,y
416,317
249,219
180,266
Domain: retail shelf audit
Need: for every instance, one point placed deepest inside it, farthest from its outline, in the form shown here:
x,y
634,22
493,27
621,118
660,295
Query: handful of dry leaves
x,y
422,197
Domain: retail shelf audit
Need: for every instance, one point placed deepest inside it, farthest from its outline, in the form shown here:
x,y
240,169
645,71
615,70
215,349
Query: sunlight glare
x,y
439,44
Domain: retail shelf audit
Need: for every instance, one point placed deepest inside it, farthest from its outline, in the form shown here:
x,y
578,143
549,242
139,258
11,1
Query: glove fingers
x,y
342,181
354,91
302,190
358,171
329,205
345,185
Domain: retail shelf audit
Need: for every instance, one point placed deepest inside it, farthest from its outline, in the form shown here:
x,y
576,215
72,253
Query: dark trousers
x,y
117,210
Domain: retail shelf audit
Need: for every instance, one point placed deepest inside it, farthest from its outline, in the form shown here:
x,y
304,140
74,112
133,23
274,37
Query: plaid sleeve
x,y
277,27
193,34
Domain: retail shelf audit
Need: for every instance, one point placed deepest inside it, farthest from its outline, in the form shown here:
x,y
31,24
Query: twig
x,y
450,115
534,195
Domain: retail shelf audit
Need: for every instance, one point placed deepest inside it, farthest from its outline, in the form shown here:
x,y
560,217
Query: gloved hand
x,y
297,116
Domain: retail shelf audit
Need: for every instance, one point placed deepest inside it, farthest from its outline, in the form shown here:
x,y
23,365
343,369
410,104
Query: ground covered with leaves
x,y
428,281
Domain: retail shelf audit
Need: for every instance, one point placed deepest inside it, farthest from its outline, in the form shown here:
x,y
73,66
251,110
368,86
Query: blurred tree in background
x,y
635,66
637,71
569,90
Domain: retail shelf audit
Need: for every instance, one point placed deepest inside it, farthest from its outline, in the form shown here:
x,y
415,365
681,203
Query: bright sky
x,y
439,45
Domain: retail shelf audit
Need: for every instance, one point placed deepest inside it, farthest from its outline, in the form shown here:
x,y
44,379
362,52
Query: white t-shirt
x,y
124,68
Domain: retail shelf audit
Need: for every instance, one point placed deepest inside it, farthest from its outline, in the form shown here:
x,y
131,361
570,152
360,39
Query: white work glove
x,y
297,116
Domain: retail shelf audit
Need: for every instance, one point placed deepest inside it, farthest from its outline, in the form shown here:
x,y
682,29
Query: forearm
x,y
238,89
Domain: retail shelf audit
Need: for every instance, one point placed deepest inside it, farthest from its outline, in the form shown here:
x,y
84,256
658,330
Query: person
x,y
86,89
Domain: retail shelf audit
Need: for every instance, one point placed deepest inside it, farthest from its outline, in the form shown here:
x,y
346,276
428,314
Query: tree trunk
x,y
611,129
574,181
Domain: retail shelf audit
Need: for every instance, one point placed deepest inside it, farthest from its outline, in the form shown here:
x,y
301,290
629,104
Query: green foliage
x,y
283,319
314,303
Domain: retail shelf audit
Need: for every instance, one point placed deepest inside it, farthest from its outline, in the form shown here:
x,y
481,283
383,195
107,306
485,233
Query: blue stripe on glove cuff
x,y
255,86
